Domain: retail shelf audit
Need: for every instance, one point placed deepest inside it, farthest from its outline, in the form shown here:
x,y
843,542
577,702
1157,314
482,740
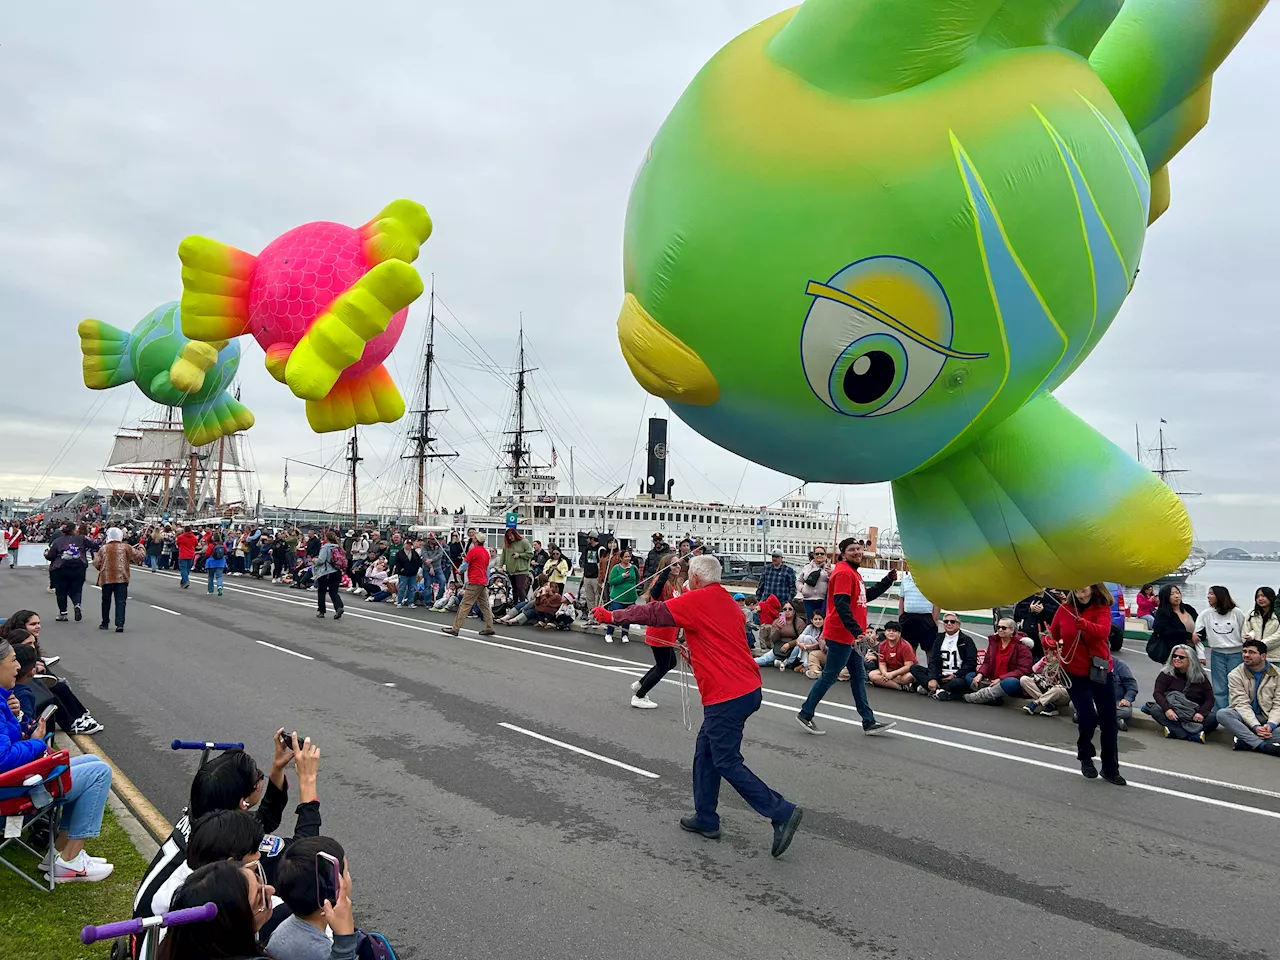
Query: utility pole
x,y
422,441
354,458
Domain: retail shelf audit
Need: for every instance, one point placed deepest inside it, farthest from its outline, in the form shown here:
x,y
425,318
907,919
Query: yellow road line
x,y
131,796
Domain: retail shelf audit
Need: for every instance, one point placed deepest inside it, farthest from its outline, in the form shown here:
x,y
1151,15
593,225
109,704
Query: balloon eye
x,y
869,377
868,374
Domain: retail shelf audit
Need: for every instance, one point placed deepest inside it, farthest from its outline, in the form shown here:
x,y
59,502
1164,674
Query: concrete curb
x,y
144,824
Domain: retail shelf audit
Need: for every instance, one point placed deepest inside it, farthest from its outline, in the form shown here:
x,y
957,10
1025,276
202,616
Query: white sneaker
x,y
44,863
608,639
80,870
635,686
643,703
625,637
86,725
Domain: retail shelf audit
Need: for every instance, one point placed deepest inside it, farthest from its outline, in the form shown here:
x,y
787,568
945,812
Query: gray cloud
x,y
129,126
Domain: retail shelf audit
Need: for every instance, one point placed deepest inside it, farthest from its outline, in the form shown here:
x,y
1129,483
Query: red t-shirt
x,y
844,580
715,629
895,657
478,564
186,544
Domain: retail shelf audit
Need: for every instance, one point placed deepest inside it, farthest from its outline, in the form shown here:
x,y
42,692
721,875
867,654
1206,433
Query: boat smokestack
x,y
656,475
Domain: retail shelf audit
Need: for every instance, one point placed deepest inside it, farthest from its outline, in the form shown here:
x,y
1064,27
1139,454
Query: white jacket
x,y
1254,630
819,590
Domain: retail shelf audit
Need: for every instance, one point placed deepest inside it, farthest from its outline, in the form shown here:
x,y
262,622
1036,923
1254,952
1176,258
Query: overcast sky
x,y
127,126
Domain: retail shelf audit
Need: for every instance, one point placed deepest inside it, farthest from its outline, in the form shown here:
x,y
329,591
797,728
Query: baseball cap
x,y
739,596
777,553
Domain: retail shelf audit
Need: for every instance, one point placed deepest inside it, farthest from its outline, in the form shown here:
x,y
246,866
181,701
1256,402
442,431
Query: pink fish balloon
x,y
326,302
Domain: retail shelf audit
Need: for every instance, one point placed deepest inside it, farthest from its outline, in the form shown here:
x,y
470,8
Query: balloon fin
x,y
1158,60
397,232
871,48
336,338
215,289
106,354
369,397
186,374
219,416
1042,499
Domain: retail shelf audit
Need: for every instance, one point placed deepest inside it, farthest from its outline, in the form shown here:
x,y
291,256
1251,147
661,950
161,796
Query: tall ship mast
x,y
422,441
1160,461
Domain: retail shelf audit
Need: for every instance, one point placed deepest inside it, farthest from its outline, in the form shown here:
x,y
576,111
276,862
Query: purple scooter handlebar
x,y
201,745
124,928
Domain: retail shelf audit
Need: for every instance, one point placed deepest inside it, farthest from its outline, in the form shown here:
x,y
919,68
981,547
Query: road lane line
x,y
637,669
163,609
292,653
585,753
1029,761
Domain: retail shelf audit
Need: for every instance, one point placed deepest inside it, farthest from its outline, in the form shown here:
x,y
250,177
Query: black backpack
x,y
373,946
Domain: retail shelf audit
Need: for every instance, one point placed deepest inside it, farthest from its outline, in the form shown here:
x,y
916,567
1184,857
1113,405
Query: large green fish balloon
x,y
169,369
893,227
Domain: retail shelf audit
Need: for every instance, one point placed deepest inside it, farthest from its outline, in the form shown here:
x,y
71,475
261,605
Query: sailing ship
x,y
529,497
1160,461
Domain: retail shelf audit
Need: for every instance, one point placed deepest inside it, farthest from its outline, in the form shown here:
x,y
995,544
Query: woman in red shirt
x,y
1081,630
661,640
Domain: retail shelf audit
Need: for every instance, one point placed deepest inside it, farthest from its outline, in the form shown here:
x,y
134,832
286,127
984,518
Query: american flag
x,y
554,458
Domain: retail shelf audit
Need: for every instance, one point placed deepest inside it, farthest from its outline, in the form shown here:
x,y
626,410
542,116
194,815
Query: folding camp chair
x,y
31,798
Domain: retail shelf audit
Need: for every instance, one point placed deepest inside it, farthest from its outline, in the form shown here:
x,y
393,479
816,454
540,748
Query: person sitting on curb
x,y
953,662
1253,715
304,934
1003,666
1183,704
894,660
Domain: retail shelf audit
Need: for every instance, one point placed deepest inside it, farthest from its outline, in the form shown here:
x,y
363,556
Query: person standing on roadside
x,y
456,552
185,542
515,562
813,582
846,621
69,559
589,592
434,573
14,540
407,563
477,589
113,562
918,617
328,576
1081,630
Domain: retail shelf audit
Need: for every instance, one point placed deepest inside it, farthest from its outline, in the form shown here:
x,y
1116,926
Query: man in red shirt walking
x,y
186,544
477,589
729,682
845,622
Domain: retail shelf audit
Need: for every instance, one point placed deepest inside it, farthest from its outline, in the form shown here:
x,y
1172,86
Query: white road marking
x,y
585,753
164,609
292,653
638,669
388,684
1029,761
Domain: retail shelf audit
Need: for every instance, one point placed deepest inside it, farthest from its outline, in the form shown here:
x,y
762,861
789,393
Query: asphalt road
x,y
968,832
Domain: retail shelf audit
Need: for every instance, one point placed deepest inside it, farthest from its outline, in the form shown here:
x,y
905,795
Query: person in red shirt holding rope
x,y
845,622
729,683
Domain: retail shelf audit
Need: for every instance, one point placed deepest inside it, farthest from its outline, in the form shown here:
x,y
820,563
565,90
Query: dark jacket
x,y
1019,660
407,563
968,656
653,558
1167,631
590,561
69,552
1126,684
1201,694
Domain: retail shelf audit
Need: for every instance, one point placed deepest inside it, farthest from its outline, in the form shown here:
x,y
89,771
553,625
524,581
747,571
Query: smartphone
x,y
48,712
50,660
328,870
287,740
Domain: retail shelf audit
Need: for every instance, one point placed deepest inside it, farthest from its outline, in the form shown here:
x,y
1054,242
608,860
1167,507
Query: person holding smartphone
x,y
314,875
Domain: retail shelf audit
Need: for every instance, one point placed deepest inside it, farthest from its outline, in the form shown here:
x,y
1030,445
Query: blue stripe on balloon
x,y
1141,179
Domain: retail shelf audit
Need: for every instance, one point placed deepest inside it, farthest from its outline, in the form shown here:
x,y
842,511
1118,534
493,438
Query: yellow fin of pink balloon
x,y
371,397
337,337
215,289
397,232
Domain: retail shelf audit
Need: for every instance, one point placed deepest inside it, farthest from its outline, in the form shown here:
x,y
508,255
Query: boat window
x,y
628,515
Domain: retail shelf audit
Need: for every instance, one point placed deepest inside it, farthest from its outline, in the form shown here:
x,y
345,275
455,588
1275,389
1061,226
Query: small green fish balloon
x,y
169,369
893,228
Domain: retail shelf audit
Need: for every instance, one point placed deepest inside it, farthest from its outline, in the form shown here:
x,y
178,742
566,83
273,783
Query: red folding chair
x,y
25,809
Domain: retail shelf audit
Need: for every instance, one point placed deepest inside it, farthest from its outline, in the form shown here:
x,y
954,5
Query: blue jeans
x,y
718,755
792,657
838,657
1220,664
184,569
813,606
614,605
215,574
404,589
1012,688
433,585
153,562
85,801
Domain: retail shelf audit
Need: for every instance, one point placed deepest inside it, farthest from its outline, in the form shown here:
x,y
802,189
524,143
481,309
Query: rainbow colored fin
x,y
215,289
1042,499
219,416
186,373
371,397
277,359
1158,60
336,338
106,355
397,232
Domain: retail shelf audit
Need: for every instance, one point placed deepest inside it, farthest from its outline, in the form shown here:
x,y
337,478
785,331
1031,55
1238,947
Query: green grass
x,y
37,925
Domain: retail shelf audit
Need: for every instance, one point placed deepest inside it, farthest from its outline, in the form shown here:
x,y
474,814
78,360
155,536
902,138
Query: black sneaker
x,y
79,615
1032,708
783,832
320,614
1088,769
1122,726
809,725
691,825
1115,778
103,626
119,629
941,695
60,618
338,615
879,727
1236,743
